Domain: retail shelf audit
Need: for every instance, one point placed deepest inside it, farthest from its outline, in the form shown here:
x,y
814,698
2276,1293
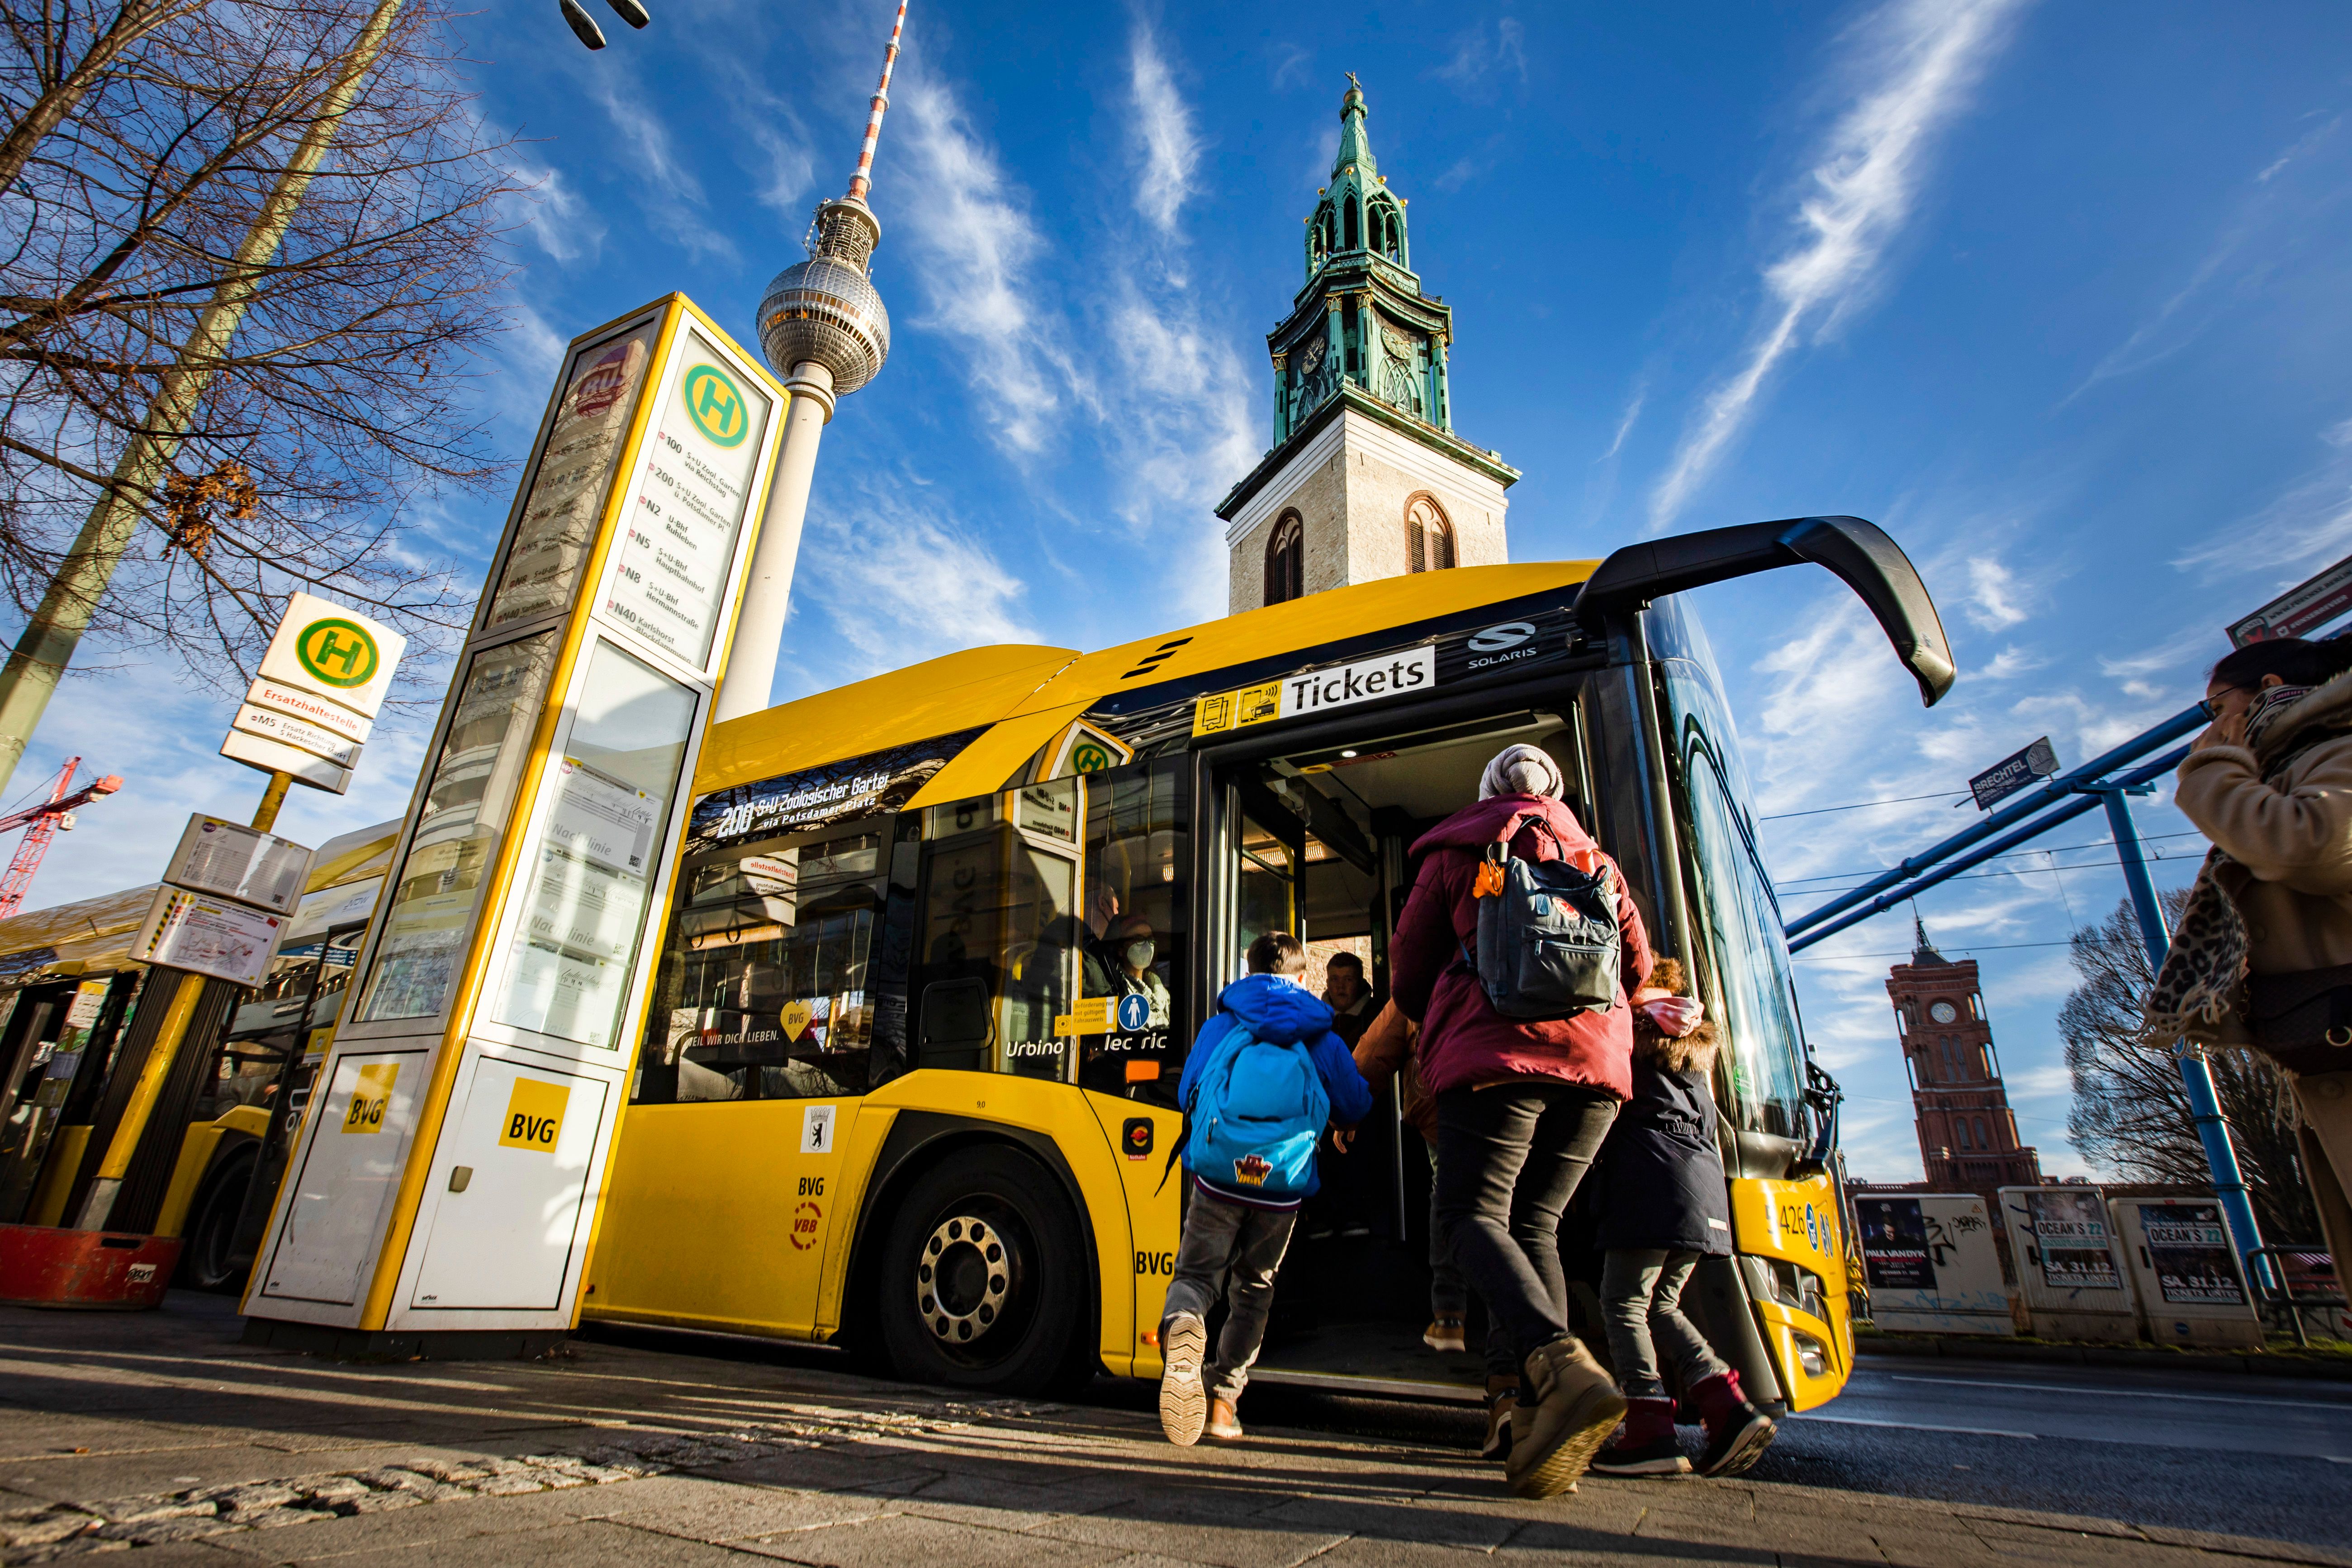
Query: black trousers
x,y
1508,1159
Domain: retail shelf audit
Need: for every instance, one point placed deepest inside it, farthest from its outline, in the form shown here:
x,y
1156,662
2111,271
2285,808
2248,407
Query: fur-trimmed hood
x,y
2326,708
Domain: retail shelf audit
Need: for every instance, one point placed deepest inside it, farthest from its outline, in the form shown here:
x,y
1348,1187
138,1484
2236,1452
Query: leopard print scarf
x,y
2204,975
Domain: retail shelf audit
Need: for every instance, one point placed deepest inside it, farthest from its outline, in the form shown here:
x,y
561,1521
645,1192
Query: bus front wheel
x,y
984,1278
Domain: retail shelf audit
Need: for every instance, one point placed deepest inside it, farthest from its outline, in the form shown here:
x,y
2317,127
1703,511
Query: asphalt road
x,y
2215,1452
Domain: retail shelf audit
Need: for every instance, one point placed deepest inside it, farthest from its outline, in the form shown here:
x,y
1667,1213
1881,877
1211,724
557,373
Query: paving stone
x,y
892,1541
721,1511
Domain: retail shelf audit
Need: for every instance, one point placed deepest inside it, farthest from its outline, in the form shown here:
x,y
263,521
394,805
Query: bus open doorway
x,y
1318,840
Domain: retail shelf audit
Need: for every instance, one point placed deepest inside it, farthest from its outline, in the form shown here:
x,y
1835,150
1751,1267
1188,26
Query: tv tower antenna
x,y
824,332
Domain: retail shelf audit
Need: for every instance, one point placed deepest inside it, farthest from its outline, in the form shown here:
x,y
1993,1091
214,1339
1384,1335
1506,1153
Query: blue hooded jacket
x,y
1279,1010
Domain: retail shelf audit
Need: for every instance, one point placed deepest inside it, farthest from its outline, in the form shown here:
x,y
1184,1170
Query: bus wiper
x,y
1859,553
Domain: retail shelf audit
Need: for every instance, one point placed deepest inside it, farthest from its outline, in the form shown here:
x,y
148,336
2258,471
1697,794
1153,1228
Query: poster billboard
x,y
2190,1253
2070,1231
1932,1265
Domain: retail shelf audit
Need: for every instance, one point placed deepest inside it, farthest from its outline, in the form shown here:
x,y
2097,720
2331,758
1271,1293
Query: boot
x,y
1501,1404
1224,1422
1570,1406
1737,1432
1444,1335
1645,1445
1184,1401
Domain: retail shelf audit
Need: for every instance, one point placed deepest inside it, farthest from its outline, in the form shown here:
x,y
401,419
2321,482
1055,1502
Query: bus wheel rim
x,y
963,1276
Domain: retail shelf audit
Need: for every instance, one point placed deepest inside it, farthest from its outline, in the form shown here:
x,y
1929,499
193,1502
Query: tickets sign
x,y
1398,674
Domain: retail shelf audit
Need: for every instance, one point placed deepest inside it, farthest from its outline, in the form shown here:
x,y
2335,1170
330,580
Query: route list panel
x,y
693,486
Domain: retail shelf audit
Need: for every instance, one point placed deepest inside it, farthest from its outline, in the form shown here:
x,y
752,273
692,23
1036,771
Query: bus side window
x,y
997,947
761,993
1138,863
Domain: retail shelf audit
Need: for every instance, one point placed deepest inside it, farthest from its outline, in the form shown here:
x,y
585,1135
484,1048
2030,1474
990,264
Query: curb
x,y
2273,1365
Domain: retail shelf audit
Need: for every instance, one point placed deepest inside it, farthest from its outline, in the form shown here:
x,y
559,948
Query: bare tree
x,y
2130,1115
293,398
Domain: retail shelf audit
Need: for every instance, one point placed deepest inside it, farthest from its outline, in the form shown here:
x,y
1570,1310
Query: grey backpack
x,y
1548,936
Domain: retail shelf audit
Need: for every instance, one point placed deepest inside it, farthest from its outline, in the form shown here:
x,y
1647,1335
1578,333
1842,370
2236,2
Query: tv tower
x,y
825,331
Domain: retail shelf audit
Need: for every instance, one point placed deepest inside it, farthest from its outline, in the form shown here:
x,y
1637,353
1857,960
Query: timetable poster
x,y
2191,1252
569,969
693,486
2071,1231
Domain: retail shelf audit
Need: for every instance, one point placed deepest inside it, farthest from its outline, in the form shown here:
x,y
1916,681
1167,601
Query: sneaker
x,y
1568,1408
1737,1432
1183,1402
1224,1422
1500,1407
1444,1334
1645,1445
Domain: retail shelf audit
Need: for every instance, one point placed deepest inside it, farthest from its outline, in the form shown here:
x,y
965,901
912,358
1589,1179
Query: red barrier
x,y
41,1265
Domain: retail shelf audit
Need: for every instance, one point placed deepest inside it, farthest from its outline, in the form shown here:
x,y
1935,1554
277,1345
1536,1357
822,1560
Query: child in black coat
x,y
1668,1206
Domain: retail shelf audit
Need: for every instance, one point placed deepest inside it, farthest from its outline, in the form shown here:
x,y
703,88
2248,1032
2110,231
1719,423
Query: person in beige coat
x,y
2263,955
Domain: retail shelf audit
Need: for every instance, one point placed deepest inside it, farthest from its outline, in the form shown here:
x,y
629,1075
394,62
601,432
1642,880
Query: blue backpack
x,y
1254,1116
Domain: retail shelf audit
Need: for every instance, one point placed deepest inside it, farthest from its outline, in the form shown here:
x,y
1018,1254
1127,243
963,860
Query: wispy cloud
x,y
1169,150
1994,594
975,240
670,194
1625,421
2236,252
1481,55
922,584
1917,61
2307,522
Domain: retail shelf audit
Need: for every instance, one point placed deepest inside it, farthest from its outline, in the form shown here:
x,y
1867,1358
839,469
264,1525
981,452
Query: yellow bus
x,y
903,1086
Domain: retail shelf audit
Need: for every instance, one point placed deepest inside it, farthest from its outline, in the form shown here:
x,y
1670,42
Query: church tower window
x,y
1353,242
1428,536
1286,560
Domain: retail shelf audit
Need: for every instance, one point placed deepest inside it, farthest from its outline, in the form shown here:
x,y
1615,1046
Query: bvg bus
x,y
904,1085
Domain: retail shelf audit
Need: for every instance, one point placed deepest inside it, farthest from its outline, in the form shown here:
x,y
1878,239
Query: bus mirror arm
x,y
1823,1095
1860,554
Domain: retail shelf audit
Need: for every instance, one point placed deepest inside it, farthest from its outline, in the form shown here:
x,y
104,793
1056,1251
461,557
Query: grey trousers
x,y
1641,1305
1238,1248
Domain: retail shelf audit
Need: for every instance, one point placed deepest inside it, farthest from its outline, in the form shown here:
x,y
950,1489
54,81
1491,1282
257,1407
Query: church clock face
x,y
1943,1012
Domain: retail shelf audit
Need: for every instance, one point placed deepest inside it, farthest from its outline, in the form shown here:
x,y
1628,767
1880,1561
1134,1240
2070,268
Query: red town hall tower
x,y
1968,1135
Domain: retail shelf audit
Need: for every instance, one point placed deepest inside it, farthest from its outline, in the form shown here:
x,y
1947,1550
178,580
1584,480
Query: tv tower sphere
x,y
825,309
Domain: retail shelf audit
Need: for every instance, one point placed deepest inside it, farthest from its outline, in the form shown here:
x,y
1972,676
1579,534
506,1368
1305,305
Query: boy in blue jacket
x,y
1239,1215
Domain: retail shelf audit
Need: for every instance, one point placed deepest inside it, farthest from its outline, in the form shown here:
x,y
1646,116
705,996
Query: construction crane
x,y
42,823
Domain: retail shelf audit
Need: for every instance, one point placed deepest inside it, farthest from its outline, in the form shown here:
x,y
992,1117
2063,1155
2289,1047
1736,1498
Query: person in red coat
x,y
1522,1108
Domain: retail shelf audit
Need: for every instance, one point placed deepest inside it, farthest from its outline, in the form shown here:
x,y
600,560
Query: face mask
x,y
1139,955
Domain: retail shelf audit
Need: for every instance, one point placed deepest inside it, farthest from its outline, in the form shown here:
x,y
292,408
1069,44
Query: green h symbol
x,y
333,646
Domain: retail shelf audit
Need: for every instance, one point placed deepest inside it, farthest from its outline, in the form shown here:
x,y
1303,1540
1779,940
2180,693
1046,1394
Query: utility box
x,y
448,1173
2191,1290
2070,1269
1932,1265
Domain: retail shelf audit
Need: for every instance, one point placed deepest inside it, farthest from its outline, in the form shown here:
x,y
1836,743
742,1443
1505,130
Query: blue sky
x,y
2055,293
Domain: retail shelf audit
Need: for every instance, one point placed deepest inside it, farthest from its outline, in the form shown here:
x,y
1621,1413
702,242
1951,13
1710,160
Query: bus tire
x,y
984,1282
207,1259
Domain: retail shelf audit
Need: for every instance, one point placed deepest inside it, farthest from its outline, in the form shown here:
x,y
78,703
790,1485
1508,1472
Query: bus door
x,y
1316,840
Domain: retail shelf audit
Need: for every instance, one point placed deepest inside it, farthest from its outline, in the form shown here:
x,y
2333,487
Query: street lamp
x,y
583,27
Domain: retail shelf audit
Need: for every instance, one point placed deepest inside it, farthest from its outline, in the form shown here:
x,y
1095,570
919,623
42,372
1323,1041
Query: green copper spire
x,y
1355,148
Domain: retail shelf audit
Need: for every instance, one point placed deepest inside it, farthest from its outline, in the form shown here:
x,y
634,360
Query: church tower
x,y
1366,478
1968,1135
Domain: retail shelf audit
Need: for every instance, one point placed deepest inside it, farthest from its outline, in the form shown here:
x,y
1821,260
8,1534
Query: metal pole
x,y
49,639
2196,1074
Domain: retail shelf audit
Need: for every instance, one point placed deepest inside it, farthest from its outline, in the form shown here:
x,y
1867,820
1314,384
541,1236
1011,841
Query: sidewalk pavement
x,y
158,1432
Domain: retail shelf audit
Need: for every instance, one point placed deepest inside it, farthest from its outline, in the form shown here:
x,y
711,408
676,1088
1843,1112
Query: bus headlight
x,y
1812,1354
1799,1289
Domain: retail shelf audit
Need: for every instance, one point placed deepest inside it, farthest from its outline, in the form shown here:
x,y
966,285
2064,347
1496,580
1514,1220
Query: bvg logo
x,y
716,406
338,652
534,1116
369,1097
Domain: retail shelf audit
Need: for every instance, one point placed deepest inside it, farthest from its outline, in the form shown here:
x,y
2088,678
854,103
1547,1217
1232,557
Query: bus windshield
x,y
1737,916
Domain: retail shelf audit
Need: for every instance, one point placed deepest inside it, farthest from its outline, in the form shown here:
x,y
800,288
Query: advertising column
x,y
447,1178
